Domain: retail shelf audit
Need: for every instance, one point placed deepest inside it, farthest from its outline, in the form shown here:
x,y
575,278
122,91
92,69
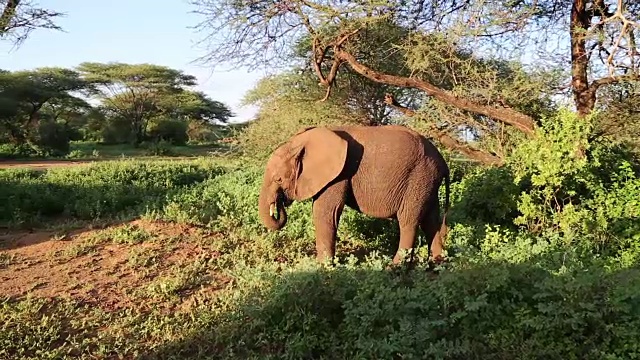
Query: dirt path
x,y
90,267
46,164
41,164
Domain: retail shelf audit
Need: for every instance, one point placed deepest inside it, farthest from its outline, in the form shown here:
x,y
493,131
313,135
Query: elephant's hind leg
x,y
430,225
408,232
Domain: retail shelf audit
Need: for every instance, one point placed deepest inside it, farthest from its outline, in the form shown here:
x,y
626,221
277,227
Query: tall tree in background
x,y
25,96
20,17
135,92
191,105
468,58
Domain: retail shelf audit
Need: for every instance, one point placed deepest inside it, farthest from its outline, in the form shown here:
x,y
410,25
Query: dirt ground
x,y
46,164
40,164
86,266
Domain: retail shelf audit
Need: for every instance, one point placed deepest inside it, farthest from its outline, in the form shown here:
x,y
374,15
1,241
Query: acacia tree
x,y
20,17
190,105
26,95
460,39
134,92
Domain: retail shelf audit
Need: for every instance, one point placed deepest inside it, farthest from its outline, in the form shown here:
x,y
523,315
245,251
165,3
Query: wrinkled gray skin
x,y
382,171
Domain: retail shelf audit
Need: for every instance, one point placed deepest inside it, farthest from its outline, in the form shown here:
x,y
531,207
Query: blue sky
x,y
134,31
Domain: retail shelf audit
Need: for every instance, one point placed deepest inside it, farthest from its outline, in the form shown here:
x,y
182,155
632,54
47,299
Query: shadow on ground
x,y
491,311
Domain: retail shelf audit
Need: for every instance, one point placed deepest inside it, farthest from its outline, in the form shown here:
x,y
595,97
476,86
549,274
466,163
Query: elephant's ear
x,y
320,157
303,130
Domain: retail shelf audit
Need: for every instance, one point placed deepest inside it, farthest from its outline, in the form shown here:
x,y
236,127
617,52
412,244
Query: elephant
x,y
387,171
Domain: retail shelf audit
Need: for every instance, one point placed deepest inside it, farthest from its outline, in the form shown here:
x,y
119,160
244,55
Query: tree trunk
x,y
580,21
7,14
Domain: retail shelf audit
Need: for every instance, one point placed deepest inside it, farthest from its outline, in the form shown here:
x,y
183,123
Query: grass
x,y
186,271
95,151
6,260
90,149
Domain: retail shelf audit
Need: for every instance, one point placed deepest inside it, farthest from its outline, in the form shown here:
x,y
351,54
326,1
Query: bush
x,y
202,133
99,190
172,131
492,310
116,130
19,151
577,186
52,137
158,148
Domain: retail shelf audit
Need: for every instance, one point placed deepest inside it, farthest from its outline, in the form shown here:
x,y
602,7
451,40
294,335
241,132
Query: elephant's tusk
x,y
273,211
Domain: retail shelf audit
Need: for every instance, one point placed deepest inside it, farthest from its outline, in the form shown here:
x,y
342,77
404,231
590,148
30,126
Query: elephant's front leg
x,y
327,208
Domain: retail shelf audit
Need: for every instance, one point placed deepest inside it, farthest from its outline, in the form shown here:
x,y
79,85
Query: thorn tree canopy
x,y
492,66
141,92
20,17
23,94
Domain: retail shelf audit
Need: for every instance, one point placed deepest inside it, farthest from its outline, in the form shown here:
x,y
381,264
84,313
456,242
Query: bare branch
x,y
509,116
20,17
446,140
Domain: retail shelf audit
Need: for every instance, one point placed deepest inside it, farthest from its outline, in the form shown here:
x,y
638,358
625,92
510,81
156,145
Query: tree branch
x,y
446,140
596,84
506,115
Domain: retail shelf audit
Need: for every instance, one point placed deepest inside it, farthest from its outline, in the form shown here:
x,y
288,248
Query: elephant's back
x,y
388,157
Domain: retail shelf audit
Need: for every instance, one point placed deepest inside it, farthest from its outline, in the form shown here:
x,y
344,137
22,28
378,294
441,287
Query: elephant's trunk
x,y
271,207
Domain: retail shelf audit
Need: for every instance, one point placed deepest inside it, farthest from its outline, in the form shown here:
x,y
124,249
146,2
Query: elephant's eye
x,y
279,180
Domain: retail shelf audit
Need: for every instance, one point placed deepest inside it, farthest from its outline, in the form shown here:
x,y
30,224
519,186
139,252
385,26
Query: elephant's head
x,y
299,169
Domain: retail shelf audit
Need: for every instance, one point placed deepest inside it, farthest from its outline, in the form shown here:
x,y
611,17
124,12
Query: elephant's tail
x,y
443,227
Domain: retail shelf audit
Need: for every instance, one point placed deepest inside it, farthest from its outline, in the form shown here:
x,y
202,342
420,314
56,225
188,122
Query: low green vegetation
x,y
141,257
525,278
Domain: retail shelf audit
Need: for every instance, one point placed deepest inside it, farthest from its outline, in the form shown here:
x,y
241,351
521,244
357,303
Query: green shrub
x,y
95,191
492,310
172,131
158,148
52,137
116,130
564,187
578,186
485,195
13,151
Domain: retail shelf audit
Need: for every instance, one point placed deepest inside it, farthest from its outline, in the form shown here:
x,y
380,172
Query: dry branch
x,y
445,139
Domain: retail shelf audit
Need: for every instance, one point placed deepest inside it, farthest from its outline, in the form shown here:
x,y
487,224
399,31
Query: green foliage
x,y
195,105
561,188
12,151
494,310
158,148
130,95
485,195
543,251
288,103
99,190
137,93
29,98
53,137
172,131
573,180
